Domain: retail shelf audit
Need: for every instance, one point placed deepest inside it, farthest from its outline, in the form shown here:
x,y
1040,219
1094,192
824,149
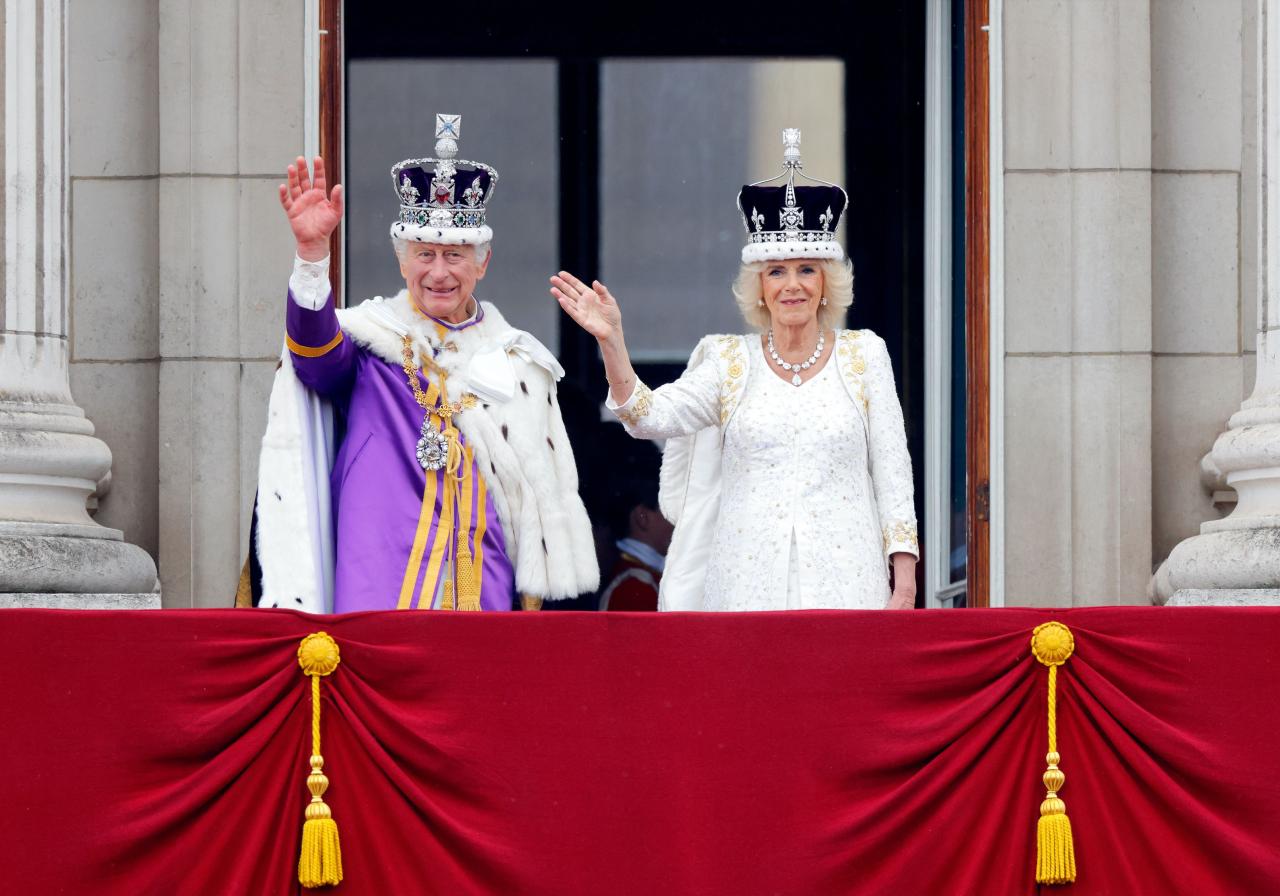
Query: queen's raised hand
x,y
592,307
313,212
597,312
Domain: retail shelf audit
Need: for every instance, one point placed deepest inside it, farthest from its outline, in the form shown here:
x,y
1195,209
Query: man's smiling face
x,y
441,278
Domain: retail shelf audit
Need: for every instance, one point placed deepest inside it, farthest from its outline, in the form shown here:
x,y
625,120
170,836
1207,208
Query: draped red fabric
x,y
613,754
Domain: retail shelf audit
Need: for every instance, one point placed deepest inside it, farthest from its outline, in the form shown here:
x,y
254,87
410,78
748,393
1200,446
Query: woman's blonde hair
x,y
837,279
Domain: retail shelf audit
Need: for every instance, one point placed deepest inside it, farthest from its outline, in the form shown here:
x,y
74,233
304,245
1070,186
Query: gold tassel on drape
x,y
320,862
1052,644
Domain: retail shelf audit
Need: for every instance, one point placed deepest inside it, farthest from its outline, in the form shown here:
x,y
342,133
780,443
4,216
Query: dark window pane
x,y
678,140
391,110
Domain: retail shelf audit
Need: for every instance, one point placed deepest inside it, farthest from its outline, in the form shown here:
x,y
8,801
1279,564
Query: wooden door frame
x,y
331,68
977,136
977,254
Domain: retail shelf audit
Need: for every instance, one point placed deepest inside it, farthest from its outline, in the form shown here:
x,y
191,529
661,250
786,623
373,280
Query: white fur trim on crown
x,y
445,236
782,251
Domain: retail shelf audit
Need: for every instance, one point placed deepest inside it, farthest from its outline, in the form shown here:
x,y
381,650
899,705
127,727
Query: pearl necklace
x,y
803,365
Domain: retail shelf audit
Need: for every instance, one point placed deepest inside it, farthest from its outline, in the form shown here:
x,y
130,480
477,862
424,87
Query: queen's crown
x,y
780,211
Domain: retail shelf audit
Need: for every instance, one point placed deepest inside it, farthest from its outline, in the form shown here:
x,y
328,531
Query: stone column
x,y
1077,301
231,118
51,552
1236,560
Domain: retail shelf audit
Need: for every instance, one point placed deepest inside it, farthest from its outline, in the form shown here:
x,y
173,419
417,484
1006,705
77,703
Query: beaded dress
x,y
812,499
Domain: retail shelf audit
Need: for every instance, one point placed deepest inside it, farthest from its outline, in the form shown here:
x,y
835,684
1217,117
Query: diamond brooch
x,y
433,447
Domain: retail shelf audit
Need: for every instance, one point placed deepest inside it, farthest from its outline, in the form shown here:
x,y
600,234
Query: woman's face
x,y
792,291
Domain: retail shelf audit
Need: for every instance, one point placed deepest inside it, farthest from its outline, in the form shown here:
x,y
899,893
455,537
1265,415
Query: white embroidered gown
x,y
798,526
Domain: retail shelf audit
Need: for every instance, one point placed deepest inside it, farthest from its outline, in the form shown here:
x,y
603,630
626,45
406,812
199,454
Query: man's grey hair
x,y
401,246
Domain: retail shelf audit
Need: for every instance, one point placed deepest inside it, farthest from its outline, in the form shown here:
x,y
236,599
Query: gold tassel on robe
x,y
320,862
465,572
1052,644
461,586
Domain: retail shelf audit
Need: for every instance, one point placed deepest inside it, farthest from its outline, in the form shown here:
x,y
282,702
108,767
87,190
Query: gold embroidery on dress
x,y
900,533
850,353
644,400
730,389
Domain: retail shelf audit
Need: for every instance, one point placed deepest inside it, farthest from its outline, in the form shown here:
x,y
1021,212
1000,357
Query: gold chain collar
x,y
445,409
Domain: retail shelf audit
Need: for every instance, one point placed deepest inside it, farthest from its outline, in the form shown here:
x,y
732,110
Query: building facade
x,y
146,261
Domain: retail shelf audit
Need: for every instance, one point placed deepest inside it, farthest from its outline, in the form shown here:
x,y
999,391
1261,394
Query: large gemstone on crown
x,y
441,217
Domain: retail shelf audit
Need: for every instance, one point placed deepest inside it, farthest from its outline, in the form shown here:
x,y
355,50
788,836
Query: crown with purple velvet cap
x,y
784,220
443,198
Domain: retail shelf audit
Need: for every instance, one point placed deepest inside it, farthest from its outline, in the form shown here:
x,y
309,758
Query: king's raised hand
x,y
313,211
592,307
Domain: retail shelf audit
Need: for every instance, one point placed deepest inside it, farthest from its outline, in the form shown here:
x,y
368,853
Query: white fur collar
x,y
481,355
380,325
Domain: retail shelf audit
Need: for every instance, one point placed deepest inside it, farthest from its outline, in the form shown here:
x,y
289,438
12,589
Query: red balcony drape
x,y
639,755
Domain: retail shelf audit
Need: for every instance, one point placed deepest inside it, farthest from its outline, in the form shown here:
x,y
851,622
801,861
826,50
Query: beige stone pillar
x,y
231,118
1077,186
51,552
1236,560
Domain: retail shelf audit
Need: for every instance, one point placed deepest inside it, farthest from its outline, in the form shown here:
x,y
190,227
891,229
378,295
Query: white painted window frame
x,y
938,191
939,195
311,78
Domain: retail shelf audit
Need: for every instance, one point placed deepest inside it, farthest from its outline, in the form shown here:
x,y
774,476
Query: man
x,y
634,580
454,485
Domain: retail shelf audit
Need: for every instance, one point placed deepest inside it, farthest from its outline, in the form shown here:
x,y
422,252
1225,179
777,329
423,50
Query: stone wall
x,y
1078,301
51,462
1129,208
1204,232
113,251
1130,221
183,115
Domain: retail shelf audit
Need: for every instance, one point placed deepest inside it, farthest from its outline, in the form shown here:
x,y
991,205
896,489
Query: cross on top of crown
x,y
448,126
448,130
791,147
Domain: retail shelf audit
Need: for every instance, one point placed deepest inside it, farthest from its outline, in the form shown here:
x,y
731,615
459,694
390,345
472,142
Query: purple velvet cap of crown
x,y
432,212
420,178
820,208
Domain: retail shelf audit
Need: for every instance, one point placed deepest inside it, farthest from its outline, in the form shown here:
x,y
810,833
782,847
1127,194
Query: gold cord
x,y
320,860
1053,644
462,587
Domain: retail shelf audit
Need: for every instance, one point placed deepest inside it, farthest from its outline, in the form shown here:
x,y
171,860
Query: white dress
x,y
814,491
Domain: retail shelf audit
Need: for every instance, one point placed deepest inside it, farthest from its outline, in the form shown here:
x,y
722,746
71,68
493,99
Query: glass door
x,y
621,151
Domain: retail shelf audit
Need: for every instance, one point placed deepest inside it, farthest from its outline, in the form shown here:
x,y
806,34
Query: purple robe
x,y
391,547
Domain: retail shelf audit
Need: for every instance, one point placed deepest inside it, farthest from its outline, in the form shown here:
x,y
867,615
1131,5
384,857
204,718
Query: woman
x,y
787,473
